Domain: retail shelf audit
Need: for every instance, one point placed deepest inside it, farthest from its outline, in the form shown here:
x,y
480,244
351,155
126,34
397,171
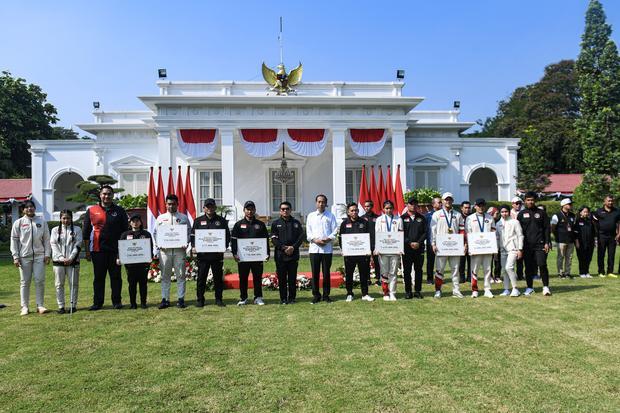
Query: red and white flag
x,y
381,189
374,193
161,197
363,191
170,190
190,205
151,208
398,192
179,192
389,188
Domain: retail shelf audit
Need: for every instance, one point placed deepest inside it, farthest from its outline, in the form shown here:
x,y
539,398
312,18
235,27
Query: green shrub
x,y
423,195
132,202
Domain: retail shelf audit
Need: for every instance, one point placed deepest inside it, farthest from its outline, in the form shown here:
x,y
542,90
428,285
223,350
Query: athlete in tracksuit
x,y
475,223
137,274
353,224
31,250
388,222
536,244
414,227
66,242
510,246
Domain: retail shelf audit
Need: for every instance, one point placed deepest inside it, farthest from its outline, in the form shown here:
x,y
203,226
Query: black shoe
x,y
220,303
292,301
164,304
417,295
462,280
94,308
327,299
200,303
61,310
430,282
283,302
74,310
408,296
143,305
181,303
2,306
316,299
133,307
118,306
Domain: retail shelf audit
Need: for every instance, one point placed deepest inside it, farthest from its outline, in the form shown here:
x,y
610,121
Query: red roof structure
x,y
17,189
563,184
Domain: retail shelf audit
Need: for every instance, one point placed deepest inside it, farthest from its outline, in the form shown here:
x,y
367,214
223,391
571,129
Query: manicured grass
x,y
545,354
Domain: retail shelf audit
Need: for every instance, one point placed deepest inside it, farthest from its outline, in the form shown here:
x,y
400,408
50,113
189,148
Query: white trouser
x,y
482,261
509,259
32,268
565,255
173,258
389,268
72,275
440,265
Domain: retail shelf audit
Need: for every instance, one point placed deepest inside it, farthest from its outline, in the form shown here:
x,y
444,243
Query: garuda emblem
x,y
281,82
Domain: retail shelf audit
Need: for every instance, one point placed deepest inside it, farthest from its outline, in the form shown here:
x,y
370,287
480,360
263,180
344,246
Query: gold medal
x,y
450,231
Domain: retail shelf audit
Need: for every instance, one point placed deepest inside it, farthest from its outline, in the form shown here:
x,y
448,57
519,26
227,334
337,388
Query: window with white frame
x,y
283,192
426,178
353,178
134,183
210,186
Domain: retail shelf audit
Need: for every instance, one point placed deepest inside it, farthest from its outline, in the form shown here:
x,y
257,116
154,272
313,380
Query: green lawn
x,y
546,354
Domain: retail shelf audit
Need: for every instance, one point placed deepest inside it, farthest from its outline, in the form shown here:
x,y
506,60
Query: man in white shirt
x,y
172,258
476,223
321,230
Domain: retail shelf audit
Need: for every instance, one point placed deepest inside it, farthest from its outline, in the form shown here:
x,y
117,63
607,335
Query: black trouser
x,y
137,275
430,263
257,277
320,262
216,267
584,255
535,259
375,260
417,260
519,268
103,263
287,279
609,244
363,265
465,259
497,265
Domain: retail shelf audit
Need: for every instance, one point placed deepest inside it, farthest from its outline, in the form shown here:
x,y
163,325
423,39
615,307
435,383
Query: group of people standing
x,y
523,235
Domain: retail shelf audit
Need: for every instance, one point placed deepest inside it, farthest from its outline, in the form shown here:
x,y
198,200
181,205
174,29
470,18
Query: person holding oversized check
x,y
249,244
448,229
482,242
171,237
136,248
356,244
210,237
389,248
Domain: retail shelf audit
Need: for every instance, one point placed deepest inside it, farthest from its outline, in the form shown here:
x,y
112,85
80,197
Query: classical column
x,y
512,171
38,179
228,169
399,156
164,151
338,167
101,167
457,185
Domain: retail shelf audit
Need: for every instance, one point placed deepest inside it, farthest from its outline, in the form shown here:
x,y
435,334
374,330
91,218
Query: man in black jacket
x,y
414,226
536,243
607,223
287,235
210,260
353,224
371,217
249,227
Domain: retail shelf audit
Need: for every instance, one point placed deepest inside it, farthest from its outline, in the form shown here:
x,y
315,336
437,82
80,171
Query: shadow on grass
x,y
562,289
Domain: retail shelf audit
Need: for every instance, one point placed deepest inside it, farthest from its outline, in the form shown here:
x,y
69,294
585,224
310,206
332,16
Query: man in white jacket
x,y
389,263
31,250
447,221
172,258
478,222
510,247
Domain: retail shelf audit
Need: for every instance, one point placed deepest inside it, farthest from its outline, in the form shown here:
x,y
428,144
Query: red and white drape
x,y
197,143
367,142
262,143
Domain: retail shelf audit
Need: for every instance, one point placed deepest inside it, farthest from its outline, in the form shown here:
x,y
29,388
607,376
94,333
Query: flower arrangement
x,y
191,271
356,277
303,282
270,281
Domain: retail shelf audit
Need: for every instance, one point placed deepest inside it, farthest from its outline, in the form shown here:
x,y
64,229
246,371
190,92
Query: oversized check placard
x,y
479,243
355,244
172,236
389,242
135,251
210,240
251,249
450,245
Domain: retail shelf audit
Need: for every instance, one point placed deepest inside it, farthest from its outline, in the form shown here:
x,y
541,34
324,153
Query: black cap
x,y
135,216
412,201
480,201
249,204
209,201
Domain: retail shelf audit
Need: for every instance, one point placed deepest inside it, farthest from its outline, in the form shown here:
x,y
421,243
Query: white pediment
x,y
428,160
132,161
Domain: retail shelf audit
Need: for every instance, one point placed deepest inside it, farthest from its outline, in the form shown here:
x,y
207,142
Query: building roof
x,y
17,189
563,183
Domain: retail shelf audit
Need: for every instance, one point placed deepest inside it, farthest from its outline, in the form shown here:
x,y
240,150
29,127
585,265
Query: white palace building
x,y
231,135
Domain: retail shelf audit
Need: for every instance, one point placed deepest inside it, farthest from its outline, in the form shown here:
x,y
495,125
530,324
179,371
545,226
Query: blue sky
x,y
474,51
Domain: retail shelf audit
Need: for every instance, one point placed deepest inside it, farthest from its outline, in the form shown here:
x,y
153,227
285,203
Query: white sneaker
x,y
457,294
24,311
437,294
392,297
505,293
546,291
242,302
349,298
259,301
582,276
528,292
474,294
41,310
515,292
588,275
488,294
367,298
386,298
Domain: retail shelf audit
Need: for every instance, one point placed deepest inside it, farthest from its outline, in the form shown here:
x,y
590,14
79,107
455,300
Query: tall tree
x,y
24,114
